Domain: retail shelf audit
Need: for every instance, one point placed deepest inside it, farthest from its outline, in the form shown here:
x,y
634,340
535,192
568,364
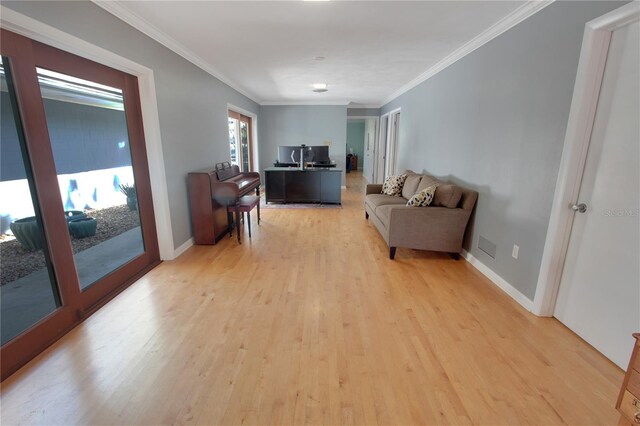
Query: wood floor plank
x,y
309,322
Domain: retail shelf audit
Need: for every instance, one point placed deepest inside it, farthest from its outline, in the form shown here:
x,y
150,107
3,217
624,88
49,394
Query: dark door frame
x,y
24,56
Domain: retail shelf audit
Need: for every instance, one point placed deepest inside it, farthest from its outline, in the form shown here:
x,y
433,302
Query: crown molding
x,y
366,106
511,20
303,103
150,30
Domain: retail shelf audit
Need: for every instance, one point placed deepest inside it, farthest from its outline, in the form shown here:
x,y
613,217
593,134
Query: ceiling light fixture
x,y
320,87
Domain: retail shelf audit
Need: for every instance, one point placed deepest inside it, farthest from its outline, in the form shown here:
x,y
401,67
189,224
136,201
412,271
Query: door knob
x,y
579,208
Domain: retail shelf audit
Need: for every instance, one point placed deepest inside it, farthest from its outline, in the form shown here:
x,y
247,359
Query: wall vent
x,y
487,246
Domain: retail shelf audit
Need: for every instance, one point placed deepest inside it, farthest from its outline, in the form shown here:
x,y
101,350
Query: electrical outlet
x,y
516,250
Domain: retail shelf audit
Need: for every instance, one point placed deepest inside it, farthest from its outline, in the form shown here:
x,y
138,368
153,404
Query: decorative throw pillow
x,y
423,198
393,185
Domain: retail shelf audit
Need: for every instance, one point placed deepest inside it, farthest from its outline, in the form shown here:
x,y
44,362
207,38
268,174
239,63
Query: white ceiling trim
x,y
285,103
365,106
511,20
142,25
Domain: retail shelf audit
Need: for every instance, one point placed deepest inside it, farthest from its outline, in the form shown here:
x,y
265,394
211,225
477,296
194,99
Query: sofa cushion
x,y
393,185
447,195
411,185
426,182
422,198
376,200
383,213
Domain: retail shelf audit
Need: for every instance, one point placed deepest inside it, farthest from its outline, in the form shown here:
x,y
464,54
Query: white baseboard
x,y
515,294
183,248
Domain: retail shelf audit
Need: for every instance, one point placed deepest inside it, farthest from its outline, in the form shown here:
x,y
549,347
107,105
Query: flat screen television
x,y
316,154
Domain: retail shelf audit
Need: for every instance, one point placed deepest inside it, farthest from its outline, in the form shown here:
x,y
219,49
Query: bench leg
x,y
249,222
258,212
392,252
230,223
238,223
366,215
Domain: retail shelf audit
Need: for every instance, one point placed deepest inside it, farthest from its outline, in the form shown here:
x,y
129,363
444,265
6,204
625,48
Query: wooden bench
x,y
244,205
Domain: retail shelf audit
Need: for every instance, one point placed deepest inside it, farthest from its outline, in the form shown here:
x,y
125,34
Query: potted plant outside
x,y
130,192
28,233
73,215
82,228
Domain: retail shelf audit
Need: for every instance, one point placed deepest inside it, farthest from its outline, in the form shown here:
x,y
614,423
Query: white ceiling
x,y
267,49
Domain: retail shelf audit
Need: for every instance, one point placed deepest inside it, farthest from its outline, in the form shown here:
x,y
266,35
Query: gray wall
x,y
363,112
192,104
355,139
495,121
302,124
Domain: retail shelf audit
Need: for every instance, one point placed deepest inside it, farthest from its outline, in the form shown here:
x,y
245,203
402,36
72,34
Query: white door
x,y
381,150
392,146
599,295
369,149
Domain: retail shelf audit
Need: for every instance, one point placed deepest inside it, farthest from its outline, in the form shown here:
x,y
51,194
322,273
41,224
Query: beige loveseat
x,y
438,227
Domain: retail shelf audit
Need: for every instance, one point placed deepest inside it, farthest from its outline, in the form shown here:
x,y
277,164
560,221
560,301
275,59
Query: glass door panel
x,y
240,141
233,141
244,144
28,289
90,143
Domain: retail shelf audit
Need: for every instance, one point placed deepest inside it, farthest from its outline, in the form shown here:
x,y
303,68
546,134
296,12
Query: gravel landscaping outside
x,y
17,262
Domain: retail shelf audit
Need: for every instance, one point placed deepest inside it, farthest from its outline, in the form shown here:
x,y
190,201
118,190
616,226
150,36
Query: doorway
x,y
241,141
381,150
392,144
599,296
361,143
78,223
590,273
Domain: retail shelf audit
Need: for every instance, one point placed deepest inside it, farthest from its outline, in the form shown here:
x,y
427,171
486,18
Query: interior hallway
x,y
310,322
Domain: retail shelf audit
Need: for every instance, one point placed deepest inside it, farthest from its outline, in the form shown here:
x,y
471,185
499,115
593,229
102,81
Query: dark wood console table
x,y
312,185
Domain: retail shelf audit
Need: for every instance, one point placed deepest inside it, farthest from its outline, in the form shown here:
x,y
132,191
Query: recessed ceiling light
x,y
320,87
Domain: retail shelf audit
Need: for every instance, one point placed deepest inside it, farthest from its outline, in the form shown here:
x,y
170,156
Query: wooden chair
x,y
245,204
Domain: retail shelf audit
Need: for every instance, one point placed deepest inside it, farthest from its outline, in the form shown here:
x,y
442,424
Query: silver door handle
x,y
579,208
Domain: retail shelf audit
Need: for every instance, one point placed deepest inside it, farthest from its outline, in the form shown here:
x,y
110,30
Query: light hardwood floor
x,y
311,323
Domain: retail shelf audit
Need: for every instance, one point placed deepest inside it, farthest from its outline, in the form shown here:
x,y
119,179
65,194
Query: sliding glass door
x,y
77,214
28,287
240,141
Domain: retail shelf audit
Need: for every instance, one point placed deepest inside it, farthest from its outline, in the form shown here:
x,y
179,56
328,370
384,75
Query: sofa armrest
x,y
373,188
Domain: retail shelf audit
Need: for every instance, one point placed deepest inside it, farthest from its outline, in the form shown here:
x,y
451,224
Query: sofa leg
x,y
392,252
455,256
366,215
